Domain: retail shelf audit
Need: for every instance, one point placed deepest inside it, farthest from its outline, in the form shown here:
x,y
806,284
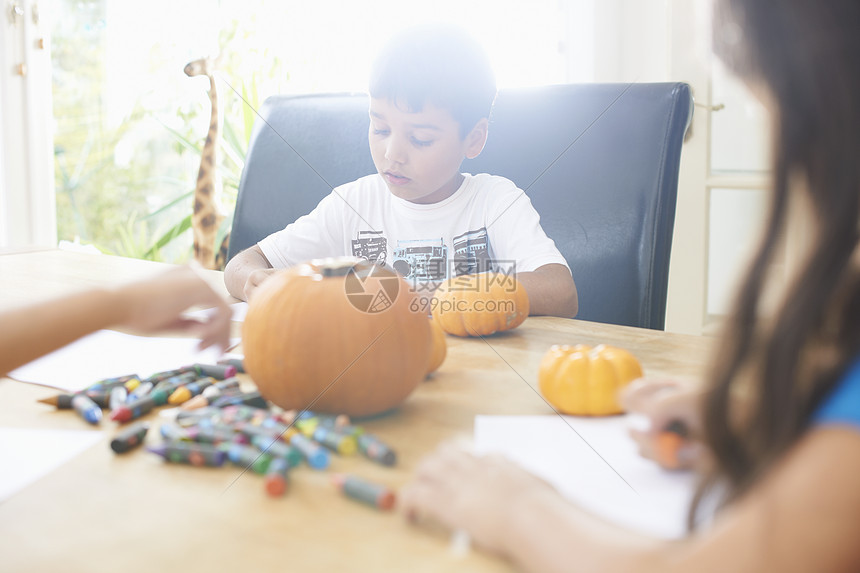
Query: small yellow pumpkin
x,y
440,347
336,336
480,304
585,381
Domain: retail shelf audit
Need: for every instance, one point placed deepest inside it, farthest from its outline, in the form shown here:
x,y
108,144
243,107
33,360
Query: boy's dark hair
x,y
437,64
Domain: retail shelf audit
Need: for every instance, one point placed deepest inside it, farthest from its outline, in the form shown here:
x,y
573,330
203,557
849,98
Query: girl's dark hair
x,y
805,58
440,65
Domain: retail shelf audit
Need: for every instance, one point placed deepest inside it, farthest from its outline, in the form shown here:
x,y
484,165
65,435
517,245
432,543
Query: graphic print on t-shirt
x,y
421,259
471,252
371,245
427,259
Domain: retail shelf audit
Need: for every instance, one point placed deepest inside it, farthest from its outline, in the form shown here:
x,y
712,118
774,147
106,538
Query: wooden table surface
x,y
103,512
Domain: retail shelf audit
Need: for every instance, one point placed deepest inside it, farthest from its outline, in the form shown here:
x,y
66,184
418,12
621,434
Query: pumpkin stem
x,y
337,266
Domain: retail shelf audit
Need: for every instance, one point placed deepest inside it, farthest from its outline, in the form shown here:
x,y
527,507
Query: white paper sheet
x,y
240,309
594,463
106,353
30,454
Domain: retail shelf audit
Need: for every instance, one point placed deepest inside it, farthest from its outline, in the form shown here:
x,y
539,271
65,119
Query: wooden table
x,y
103,512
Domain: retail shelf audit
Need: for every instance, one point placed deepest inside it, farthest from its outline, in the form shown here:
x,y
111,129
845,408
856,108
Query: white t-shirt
x,y
487,224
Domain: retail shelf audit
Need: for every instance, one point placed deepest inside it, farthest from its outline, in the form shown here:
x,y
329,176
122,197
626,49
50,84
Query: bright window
x,y
130,124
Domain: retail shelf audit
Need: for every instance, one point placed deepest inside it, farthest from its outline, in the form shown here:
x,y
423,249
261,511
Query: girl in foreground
x,y
780,412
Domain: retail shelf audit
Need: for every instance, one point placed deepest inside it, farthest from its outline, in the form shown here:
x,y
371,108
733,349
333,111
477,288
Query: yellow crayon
x,y
132,384
307,426
344,444
187,391
180,395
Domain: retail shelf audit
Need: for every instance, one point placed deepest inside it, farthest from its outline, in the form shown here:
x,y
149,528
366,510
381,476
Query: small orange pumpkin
x,y
480,304
440,347
585,381
336,336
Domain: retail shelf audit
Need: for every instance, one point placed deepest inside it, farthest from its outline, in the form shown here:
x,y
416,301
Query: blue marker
x,y
160,376
87,409
316,456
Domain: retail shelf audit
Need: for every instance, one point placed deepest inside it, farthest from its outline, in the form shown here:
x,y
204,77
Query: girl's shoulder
x,y
842,405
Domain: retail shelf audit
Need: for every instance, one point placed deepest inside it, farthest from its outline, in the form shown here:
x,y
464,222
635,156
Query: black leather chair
x,y
599,162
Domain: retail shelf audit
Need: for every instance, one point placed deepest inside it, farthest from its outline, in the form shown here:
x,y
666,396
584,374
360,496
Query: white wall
x,y
631,40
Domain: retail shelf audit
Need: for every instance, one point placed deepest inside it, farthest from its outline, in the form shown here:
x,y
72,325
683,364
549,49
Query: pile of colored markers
x,y
130,397
271,444
217,422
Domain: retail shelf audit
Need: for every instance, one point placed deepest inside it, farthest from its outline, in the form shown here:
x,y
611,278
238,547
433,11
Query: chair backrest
x,y
599,161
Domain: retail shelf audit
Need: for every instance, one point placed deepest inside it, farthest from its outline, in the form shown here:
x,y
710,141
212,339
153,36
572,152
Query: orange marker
x,y
199,401
289,417
669,444
277,477
372,494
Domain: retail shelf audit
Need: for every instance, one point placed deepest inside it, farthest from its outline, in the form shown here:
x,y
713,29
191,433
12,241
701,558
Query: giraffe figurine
x,y
207,218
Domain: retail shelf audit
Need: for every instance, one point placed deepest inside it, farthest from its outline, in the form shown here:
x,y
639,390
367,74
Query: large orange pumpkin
x,y
336,336
440,347
480,304
585,381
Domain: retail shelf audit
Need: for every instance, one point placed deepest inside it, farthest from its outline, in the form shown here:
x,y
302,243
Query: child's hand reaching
x,y
147,306
480,495
157,304
667,405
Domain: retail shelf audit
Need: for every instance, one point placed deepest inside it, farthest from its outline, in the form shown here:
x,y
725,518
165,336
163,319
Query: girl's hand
x,y
480,495
667,404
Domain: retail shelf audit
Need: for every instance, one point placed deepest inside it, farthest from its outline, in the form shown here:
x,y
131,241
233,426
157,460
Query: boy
x,y
431,92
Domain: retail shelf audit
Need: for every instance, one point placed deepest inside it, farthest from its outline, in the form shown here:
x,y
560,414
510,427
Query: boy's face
x,y
419,154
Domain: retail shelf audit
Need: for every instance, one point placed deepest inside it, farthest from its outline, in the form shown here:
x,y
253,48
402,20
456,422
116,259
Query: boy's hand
x,y
255,279
551,291
667,403
239,273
